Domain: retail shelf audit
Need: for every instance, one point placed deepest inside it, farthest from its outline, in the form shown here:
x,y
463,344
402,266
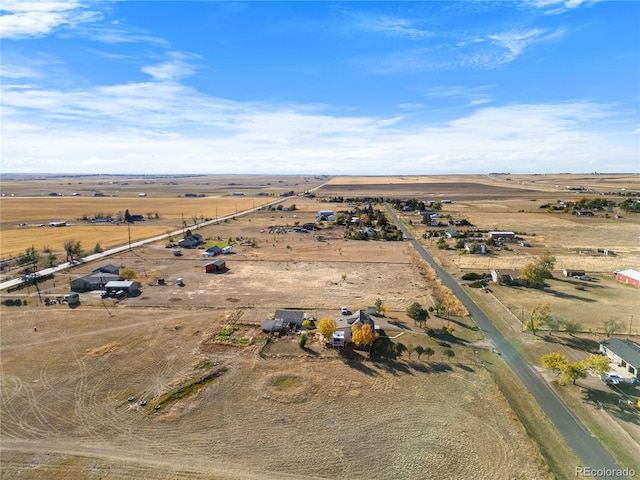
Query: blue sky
x,y
375,88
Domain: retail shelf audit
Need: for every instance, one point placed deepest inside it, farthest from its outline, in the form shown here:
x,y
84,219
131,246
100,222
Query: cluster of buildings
x,y
107,279
284,320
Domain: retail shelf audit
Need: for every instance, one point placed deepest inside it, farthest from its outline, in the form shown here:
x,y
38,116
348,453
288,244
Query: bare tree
x,y
610,326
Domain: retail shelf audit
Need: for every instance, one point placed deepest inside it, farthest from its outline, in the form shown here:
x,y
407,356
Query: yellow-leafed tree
x,y
598,363
327,327
555,361
363,336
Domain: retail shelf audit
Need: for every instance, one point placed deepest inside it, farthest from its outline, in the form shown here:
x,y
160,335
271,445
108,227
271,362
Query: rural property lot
x,y
271,411
65,411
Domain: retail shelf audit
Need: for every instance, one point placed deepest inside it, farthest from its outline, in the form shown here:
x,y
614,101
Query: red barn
x,y
217,266
630,277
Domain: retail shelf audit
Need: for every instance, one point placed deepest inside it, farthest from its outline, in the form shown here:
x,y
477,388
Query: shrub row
x,y
10,302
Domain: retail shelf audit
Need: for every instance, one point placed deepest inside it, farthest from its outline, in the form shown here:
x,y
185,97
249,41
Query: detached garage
x,y
217,266
630,277
127,286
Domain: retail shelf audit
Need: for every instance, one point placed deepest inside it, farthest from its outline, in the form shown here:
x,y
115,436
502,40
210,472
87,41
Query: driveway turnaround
x,y
595,458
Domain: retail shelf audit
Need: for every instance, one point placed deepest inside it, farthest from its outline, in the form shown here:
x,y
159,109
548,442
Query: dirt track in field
x,y
65,413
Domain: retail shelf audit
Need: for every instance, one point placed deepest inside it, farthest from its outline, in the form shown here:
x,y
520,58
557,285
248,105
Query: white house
x,y
623,352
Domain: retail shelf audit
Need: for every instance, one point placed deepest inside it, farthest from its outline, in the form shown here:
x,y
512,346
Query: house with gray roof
x,y
624,352
359,319
95,281
109,268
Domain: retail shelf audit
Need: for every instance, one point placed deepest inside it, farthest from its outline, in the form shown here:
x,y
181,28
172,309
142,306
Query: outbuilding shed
x,y
272,325
128,286
502,235
291,317
217,266
630,277
573,273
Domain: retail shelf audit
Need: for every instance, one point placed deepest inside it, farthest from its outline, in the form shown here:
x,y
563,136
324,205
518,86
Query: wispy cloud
x,y
484,51
23,19
119,33
515,42
389,25
174,69
556,7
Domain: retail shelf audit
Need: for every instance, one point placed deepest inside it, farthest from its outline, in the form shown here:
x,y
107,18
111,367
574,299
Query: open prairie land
x,y
274,410
27,203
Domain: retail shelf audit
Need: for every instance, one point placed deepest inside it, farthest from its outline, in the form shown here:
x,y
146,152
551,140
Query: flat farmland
x,y
65,411
495,203
277,411
41,210
288,413
27,203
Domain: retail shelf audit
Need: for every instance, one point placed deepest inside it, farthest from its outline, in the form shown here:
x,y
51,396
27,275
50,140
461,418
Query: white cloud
x,y
561,6
173,69
37,19
170,128
516,42
394,26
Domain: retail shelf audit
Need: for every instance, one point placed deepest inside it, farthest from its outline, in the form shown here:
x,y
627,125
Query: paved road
x,y
588,448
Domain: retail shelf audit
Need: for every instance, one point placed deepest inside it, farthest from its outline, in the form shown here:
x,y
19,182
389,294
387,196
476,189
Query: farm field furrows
x,y
65,391
284,412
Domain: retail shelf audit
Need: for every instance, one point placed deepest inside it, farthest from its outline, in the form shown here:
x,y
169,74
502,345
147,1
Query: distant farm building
x,y
630,277
573,273
502,235
505,276
191,241
327,215
217,266
212,251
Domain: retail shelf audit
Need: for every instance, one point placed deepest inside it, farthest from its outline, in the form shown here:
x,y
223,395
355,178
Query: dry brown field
x,y
26,204
279,412
493,203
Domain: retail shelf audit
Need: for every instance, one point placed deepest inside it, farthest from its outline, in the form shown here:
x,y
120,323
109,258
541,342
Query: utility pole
x,y
630,323
35,275
129,231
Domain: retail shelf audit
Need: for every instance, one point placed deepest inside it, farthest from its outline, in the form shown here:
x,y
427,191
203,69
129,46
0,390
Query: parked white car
x,y
613,379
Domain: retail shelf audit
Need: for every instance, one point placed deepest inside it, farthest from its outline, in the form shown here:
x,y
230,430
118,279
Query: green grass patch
x,y
226,335
284,384
189,388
